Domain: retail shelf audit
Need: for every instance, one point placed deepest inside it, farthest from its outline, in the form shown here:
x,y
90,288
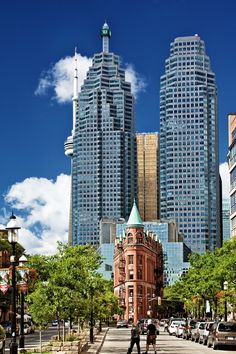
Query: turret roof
x,y
134,218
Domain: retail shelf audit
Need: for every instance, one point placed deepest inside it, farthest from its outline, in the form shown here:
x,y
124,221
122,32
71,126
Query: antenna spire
x,y
75,95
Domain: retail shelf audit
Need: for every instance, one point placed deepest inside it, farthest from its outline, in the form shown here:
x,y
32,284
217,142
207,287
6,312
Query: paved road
x,y
32,340
117,341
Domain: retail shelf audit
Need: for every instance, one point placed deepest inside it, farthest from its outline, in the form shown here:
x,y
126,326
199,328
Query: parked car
x,y
2,340
26,328
222,334
204,334
7,327
122,323
54,323
163,321
31,326
195,333
180,329
173,327
189,325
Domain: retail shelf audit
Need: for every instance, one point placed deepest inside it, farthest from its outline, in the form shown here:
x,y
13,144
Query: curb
x,y
96,347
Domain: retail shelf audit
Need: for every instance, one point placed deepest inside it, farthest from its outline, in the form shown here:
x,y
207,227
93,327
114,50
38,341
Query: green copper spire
x,y
134,218
105,34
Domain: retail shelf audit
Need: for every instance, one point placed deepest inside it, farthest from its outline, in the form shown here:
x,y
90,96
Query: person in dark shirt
x,y
151,336
135,338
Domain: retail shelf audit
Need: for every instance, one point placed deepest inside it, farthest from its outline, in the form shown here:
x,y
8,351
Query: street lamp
x,y
225,289
22,263
13,228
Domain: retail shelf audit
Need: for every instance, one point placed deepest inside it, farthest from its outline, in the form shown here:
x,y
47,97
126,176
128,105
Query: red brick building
x,y
138,270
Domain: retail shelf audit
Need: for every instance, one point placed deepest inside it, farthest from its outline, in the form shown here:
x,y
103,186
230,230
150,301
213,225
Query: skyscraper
x,y
148,175
103,138
189,168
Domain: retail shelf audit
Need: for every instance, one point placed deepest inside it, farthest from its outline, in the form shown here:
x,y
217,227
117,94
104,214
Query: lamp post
x,y
225,289
13,228
22,263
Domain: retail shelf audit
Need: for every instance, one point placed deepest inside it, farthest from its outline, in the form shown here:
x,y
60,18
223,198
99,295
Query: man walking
x,y
135,338
151,336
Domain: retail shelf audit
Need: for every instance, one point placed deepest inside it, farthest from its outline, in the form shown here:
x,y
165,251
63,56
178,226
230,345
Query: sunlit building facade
x,y
103,138
189,165
148,175
232,171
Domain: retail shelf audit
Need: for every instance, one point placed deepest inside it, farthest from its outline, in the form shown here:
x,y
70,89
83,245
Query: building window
x,y
130,259
130,238
131,274
139,238
139,273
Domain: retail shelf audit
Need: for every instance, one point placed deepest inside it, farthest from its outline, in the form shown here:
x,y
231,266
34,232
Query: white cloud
x,y
138,84
225,177
43,207
59,78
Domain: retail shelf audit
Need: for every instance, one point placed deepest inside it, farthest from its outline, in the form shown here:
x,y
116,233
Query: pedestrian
x,y
151,336
135,338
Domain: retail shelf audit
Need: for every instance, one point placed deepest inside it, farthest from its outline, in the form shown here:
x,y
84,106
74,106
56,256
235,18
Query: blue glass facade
x,y
103,161
189,167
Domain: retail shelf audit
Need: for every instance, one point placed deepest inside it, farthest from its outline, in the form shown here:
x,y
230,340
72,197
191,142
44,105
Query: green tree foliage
x,y
204,281
69,286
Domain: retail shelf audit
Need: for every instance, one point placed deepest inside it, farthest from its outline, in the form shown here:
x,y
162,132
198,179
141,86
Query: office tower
x,y
189,168
103,138
226,219
148,175
232,171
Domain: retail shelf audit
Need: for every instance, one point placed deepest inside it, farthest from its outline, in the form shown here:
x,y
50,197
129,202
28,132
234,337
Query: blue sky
x,y
37,37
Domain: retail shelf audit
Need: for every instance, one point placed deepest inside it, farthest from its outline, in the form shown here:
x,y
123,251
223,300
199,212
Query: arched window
x,y
139,237
130,238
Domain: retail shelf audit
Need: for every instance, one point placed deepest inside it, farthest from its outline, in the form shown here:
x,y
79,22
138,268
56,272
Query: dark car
x,y
222,334
187,331
122,323
7,327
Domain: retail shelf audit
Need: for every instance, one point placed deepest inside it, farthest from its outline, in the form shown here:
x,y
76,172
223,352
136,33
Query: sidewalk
x,y
96,346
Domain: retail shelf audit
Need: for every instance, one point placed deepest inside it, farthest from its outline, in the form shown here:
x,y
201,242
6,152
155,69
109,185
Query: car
x,y
222,334
180,329
31,326
54,323
2,340
189,325
204,334
122,323
199,328
173,327
26,328
163,321
7,327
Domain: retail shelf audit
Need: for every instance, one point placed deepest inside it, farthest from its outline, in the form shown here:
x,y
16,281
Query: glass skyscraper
x,y
189,168
103,158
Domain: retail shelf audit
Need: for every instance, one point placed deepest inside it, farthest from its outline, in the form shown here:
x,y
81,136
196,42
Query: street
x,y
32,340
117,341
